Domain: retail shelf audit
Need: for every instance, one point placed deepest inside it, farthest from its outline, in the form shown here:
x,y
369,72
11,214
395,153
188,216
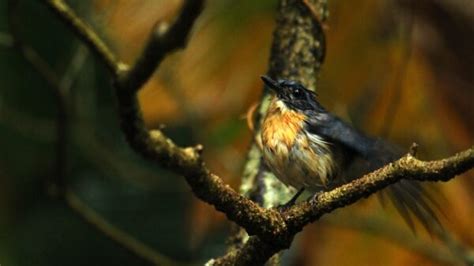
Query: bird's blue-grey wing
x,y
409,197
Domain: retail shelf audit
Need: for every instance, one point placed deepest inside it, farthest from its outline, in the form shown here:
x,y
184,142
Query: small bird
x,y
309,148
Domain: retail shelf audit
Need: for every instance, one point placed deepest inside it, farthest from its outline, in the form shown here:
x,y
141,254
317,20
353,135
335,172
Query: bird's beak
x,y
271,84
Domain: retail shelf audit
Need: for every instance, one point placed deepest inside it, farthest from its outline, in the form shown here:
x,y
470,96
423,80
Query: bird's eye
x,y
297,92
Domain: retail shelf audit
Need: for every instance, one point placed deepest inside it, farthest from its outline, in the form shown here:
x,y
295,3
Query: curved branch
x,y
164,39
300,215
408,167
87,35
61,87
154,144
254,252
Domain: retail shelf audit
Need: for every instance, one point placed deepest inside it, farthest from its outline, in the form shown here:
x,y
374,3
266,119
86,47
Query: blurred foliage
x,y
385,59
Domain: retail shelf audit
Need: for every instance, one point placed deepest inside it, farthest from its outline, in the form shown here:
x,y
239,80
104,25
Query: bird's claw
x,y
284,207
314,199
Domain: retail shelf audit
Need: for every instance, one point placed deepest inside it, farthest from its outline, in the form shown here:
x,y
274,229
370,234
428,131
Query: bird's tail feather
x,y
411,199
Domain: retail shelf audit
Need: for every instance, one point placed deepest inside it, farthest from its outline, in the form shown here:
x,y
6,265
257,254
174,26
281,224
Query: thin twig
x,y
107,160
75,66
87,35
28,53
164,39
47,72
61,89
114,233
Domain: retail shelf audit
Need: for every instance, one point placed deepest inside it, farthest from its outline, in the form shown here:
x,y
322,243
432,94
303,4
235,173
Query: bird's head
x,y
292,94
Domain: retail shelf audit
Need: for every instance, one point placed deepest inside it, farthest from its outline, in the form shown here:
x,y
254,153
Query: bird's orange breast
x,y
296,157
281,126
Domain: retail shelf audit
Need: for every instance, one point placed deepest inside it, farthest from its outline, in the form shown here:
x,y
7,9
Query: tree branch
x,y
61,88
298,50
301,214
87,35
408,167
154,145
164,39
275,231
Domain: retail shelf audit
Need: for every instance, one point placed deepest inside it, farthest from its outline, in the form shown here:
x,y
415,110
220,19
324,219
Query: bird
x,y
309,148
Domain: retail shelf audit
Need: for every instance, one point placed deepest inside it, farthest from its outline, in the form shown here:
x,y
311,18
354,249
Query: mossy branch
x,y
153,144
273,231
408,168
301,214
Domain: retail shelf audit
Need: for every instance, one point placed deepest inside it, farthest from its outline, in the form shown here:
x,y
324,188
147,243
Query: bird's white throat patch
x,y
281,106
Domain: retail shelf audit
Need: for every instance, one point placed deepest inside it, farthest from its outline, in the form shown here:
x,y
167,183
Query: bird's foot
x,y
291,202
314,198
